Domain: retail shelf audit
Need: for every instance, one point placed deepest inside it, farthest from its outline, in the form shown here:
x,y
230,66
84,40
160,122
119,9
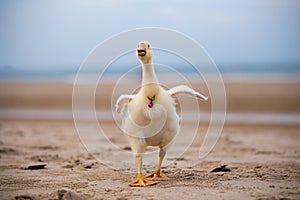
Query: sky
x,y
61,33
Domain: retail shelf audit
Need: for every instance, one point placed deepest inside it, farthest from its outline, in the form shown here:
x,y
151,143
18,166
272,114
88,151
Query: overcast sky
x,y
45,33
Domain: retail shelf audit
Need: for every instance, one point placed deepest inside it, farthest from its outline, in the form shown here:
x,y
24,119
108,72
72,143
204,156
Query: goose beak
x,y
141,51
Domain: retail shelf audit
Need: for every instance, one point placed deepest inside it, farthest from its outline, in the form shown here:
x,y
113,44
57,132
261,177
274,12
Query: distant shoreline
x,y
107,115
227,78
234,72
243,96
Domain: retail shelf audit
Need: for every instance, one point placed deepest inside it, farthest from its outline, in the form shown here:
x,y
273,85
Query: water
x,y
231,118
240,73
229,71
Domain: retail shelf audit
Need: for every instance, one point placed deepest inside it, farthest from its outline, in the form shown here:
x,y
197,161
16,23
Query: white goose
x,y
152,119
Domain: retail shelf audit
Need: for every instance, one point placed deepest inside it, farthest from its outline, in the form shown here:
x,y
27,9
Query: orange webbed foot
x,y
156,176
141,182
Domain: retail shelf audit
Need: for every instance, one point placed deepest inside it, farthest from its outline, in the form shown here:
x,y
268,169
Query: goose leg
x,y
156,174
140,181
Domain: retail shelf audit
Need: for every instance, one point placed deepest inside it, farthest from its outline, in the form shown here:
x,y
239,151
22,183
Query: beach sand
x,y
260,161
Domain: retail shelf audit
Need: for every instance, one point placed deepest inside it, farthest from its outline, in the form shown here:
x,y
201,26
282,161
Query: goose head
x,y
144,52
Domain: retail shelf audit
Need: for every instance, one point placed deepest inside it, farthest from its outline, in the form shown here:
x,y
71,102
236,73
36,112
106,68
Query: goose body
x,y
155,126
151,116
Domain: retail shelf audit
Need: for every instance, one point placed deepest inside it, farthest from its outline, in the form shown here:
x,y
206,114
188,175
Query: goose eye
x,y
148,46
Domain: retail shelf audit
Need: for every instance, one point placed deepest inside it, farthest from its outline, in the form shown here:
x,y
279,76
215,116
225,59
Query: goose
x,y
151,118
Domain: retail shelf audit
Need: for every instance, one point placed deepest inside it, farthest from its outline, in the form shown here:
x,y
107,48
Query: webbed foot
x,y
141,182
156,176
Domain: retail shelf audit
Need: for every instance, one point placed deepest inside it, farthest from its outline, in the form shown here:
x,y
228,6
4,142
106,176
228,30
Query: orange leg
x,y
140,181
156,176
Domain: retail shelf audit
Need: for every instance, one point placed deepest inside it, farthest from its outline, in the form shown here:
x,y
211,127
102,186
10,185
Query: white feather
x,y
183,89
122,101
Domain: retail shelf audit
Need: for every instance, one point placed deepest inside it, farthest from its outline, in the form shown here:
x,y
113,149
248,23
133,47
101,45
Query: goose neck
x,y
149,75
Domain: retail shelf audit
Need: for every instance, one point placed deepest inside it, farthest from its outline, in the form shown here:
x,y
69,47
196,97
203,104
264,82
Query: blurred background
x,y
255,44
54,37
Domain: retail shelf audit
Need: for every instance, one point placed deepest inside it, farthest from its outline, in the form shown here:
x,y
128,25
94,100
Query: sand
x,y
260,161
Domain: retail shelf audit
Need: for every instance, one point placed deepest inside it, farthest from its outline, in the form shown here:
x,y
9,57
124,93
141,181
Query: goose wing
x,y
122,101
183,89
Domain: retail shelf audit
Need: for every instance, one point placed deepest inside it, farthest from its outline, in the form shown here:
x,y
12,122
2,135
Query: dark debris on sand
x,y
223,168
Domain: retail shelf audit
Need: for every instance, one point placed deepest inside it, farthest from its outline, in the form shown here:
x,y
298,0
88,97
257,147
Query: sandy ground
x,y
262,161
